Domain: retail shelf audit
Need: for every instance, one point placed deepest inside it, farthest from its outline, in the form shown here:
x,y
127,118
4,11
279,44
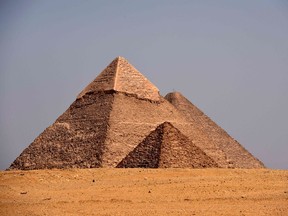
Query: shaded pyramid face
x,y
166,147
236,155
75,140
113,115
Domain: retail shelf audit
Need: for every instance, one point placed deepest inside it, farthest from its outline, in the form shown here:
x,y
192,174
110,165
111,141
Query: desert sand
x,y
144,192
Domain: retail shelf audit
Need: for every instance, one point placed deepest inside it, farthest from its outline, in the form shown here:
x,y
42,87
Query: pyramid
x,y
110,118
166,147
236,155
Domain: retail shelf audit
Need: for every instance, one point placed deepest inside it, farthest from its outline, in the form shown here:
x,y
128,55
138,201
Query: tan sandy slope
x,y
144,192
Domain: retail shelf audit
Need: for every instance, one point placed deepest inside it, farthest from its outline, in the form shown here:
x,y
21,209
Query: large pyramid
x,y
117,115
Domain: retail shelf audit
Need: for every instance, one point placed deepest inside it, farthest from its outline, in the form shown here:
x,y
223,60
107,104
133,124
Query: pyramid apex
x,y
121,76
174,94
120,58
166,124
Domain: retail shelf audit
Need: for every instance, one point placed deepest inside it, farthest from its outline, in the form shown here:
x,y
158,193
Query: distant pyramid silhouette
x,y
111,116
166,147
236,155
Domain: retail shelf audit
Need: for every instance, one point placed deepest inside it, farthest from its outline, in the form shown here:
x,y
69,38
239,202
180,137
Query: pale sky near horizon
x,y
229,58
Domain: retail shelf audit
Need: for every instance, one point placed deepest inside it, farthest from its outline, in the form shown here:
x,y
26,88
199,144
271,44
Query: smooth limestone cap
x,y
121,76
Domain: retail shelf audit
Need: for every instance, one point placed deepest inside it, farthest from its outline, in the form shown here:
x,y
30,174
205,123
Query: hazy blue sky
x,y
230,58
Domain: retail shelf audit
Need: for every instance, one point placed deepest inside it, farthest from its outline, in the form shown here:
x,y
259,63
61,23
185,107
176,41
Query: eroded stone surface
x,y
75,140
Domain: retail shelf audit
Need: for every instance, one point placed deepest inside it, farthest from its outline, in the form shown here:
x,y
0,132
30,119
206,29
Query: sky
x,y
229,58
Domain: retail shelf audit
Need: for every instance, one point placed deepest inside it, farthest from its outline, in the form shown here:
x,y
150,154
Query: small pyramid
x,y
166,147
236,155
121,76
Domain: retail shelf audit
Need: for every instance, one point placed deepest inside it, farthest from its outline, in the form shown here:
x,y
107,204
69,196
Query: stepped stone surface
x,y
115,113
236,155
201,140
121,76
75,140
166,147
178,151
146,154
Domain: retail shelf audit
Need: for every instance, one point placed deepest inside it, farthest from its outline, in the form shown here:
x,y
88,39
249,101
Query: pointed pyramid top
x,y
121,76
120,58
174,95
184,105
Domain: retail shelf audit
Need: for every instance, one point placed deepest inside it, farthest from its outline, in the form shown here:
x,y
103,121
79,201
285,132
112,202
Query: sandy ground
x,y
144,192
